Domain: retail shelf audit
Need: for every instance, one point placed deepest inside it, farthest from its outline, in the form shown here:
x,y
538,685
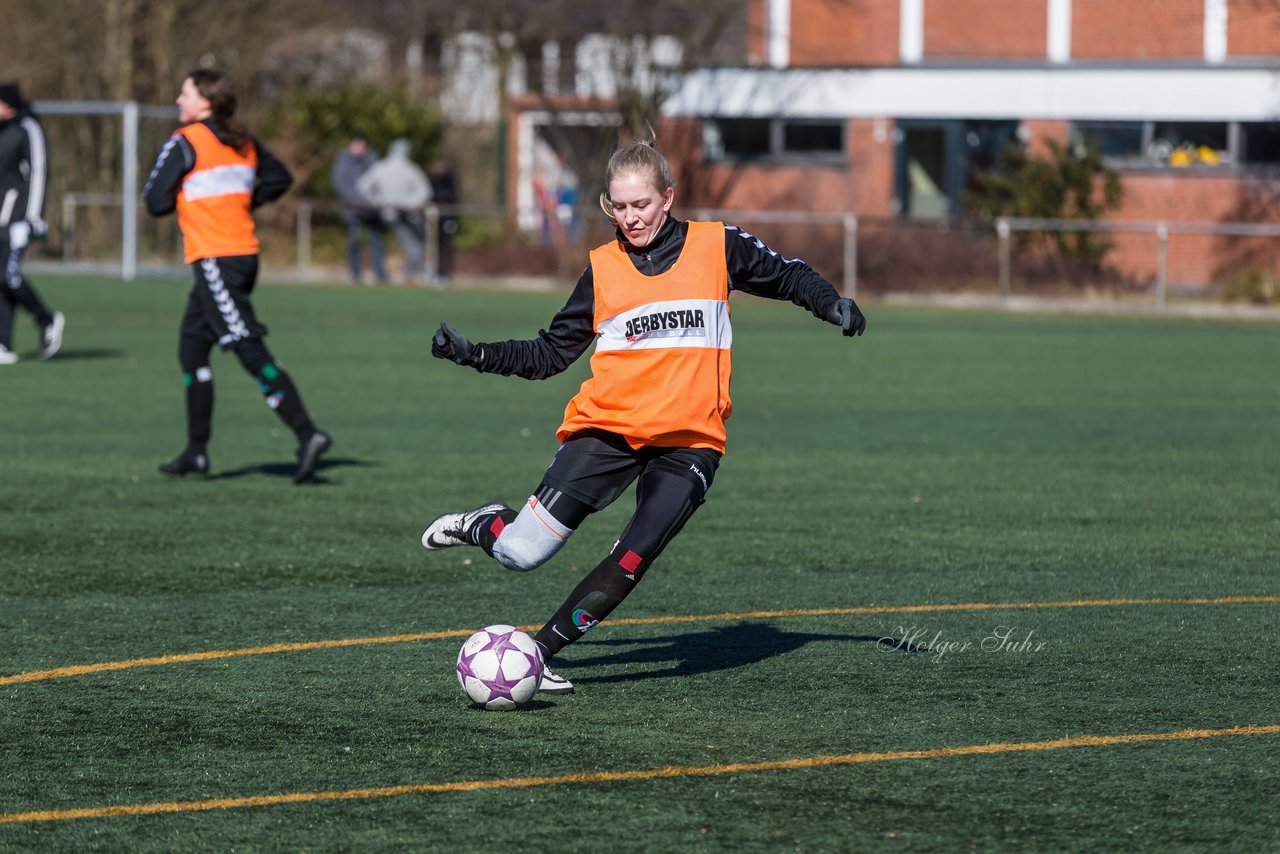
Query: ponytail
x,y
216,87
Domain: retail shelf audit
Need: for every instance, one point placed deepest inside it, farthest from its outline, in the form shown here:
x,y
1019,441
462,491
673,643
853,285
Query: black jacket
x,y
347,169
24,169
753,268
178,157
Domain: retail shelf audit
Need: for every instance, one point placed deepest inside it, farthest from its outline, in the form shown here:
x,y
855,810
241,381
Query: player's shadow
x,y
72,354
722,648
286,469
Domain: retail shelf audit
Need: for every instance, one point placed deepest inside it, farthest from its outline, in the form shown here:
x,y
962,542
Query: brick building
x,y
886,107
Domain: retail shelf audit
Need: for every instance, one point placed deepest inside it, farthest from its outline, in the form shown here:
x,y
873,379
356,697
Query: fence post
x,y
1162,265
68,226
304,239
1002,233
850,256
431,234
129,194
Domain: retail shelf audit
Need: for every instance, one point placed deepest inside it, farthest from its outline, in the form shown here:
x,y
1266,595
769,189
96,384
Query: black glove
x,y
449,343
846,314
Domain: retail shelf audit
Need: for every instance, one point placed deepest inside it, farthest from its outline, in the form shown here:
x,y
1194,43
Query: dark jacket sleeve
x,y
175,160
273,177
756,269
571,332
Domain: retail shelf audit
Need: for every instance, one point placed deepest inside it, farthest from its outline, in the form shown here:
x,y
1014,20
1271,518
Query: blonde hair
x,y
636,158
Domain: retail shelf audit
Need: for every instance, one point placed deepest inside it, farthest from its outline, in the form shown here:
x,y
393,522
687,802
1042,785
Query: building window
x,y
1116,140
1177,145
1261,143
1182,144
1207,134
737,139
812,138
789,140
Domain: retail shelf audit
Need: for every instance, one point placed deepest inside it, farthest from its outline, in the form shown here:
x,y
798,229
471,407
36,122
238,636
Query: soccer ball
x,y
499,667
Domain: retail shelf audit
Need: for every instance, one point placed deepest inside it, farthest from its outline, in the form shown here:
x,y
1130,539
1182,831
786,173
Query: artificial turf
x,y
1091,465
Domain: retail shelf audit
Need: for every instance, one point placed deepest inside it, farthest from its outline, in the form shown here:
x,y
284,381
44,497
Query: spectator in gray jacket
x,y
400,190
359,216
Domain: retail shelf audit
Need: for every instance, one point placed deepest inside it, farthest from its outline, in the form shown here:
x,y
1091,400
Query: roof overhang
x,y
1069,92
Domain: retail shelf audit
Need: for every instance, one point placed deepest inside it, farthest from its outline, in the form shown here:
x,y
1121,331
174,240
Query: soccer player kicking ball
x,y
656,303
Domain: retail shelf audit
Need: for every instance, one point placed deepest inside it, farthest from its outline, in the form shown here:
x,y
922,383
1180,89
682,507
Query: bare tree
x,y
625,36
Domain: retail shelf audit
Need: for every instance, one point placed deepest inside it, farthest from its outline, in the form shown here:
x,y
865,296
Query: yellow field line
x,y
211,655
668,772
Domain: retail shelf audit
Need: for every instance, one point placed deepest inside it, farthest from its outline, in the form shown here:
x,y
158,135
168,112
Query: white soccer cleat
x,y
7,356
453,529
554,684
52,336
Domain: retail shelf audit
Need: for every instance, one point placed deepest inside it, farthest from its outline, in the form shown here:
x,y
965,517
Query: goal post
x,y
131,113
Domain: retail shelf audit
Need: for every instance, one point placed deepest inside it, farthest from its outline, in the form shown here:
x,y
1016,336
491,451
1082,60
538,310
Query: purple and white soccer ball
x,y
499,667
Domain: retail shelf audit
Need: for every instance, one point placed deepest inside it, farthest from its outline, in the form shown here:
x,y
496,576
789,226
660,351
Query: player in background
x,y
214,173
24,171
656,303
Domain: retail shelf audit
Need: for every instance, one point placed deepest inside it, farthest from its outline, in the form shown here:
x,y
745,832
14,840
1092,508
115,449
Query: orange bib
x,y
660,371
216,195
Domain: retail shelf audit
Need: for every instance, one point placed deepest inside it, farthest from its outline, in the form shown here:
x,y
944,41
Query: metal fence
x,y
1161,231
847,223
884,254
98,228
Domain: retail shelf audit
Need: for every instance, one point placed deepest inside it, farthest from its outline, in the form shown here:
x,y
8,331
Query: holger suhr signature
x,y
1002,639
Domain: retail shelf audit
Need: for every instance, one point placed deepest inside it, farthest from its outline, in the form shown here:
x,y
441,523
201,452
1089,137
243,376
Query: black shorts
x,y
595,467
218,309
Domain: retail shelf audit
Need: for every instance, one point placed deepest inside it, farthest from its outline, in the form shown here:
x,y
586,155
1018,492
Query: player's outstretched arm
x,y
449,343
543,356
845,313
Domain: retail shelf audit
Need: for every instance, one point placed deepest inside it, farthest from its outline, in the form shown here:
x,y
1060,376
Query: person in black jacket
x,y
213,172
357,213
444,192
24,171
655,303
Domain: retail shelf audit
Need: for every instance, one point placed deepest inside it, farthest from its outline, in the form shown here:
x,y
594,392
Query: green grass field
x,y
1107,487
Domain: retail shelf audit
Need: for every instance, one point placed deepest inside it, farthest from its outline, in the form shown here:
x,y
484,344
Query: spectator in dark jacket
x,y
444,192
357,213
